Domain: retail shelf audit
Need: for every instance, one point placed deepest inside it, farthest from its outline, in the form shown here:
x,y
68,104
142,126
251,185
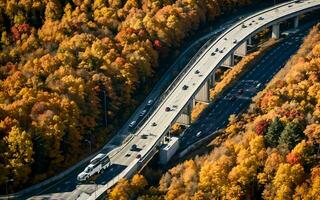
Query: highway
x,y
218,112
176,96
67,188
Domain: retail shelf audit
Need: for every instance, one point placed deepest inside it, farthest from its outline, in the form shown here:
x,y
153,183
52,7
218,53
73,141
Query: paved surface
x,y
217,115
176,97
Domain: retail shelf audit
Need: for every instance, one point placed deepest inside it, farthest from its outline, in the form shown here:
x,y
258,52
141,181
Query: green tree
x,y
291,135
273,132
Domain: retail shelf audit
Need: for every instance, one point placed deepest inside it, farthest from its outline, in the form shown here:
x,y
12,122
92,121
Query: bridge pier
x,y
241,50
185,115
203,95
212,79
249,41
276,31
229,61
296,22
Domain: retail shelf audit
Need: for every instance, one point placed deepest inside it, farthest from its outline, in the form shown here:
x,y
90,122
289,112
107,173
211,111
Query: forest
x,y
272,151
59,60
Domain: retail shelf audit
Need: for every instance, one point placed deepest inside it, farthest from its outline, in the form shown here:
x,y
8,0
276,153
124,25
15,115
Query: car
x,y
244,26
138,156
143,113
217,49
154,124
132,124
150,102
225,38
235,41
197,72
232,98
221,51
198,134
133,147
258,85
144,136
213,54
185,87
261,18
168,109
175,106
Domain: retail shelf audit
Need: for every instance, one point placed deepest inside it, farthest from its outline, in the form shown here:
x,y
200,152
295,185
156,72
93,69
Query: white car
x,y
198,134
96,165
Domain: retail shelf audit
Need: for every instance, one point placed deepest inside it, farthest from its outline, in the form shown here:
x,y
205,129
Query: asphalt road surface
x,y
253,81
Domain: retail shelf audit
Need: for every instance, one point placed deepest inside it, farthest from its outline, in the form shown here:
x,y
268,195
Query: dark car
x,y
168,109
197,72
133,147
185,87
154,124
138,156
213,53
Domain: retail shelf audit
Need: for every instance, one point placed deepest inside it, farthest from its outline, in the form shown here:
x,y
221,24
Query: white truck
x,y
96,165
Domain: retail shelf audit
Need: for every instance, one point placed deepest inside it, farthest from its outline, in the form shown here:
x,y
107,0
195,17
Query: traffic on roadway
x,y
155,125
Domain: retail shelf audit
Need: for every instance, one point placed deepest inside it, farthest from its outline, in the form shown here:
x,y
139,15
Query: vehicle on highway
x,y
185,87
232,98
143,113
133,147
150,102
168,109
132,124
198,134
258,85
96,165
144,136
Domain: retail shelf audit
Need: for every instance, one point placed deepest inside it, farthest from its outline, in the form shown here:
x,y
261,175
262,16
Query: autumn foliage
x,y
59,59
271,152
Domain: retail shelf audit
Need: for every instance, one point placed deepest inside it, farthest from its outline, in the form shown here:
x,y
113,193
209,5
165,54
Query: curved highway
x,y
160,121
125,161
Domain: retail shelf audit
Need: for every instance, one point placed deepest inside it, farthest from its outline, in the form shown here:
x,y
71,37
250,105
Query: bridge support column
x,y
212,80
185,115
241,50
276,31
203,95
296,22
249,41
229,62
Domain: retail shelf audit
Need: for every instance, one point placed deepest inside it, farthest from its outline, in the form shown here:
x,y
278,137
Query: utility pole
x,y
7,181
105,107
89,144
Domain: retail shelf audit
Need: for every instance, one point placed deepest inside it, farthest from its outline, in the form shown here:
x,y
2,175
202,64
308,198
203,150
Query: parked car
x,y
185,87
197,72
138,156
154,124
168,109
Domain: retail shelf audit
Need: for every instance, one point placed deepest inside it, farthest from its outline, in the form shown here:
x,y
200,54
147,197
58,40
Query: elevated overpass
x,y
194,82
